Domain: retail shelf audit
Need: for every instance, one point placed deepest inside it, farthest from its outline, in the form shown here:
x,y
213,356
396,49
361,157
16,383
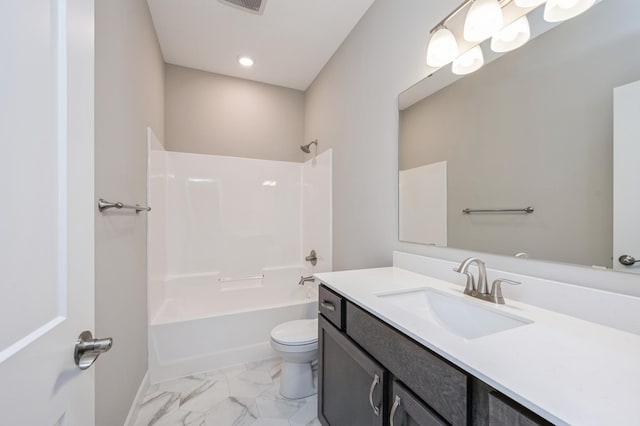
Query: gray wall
x,y
352,107
209,113
129,97
534,127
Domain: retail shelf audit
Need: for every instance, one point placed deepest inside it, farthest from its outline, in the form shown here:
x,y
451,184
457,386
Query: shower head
x,y
307,148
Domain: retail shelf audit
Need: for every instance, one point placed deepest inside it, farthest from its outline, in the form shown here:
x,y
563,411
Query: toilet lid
x,y
294,333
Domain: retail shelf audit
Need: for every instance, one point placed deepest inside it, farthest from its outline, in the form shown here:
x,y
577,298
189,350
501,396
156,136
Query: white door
x,y
626,176
46,210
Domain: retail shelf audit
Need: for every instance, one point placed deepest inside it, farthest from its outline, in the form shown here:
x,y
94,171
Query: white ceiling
x,y
290,42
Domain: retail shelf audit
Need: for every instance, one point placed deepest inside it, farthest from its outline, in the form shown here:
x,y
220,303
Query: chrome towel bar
x,y
526,210
104,205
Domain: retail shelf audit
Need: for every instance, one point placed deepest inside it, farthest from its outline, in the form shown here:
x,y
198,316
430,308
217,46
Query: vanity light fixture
x,y
561,10
245,61
529,3
484,19
512,36
470,61
443,48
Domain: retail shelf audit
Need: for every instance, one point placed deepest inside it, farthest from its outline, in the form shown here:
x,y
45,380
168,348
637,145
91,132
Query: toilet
x,y
297,343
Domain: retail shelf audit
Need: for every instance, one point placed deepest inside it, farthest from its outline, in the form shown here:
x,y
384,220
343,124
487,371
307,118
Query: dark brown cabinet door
x,y
351,386
408,410
504,412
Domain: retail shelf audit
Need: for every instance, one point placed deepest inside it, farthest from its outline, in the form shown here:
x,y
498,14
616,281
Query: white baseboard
x,y
135,405
185,367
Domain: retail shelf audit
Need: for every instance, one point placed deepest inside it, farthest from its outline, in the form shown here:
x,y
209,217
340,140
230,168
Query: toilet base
x,y
296,380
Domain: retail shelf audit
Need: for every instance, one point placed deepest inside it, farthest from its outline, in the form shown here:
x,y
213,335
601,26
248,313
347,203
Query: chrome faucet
x,y
481,291
304,279
471,288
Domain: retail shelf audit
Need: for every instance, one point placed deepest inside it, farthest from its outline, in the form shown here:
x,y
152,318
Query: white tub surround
x,y
236,216
227,244
568,370
422,214
317,220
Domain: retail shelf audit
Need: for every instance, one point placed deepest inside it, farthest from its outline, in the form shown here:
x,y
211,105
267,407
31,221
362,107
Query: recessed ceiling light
x,y
245,61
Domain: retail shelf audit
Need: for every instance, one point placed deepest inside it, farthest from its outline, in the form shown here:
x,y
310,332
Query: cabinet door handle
x,y
328,306
394,408
374,383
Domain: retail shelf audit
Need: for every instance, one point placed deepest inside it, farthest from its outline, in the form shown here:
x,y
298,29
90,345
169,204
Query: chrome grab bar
x,y
374,383
526,210
394,408
228,279
104,205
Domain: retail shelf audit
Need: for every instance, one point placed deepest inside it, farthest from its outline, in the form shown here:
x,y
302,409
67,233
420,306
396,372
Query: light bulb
x,y
443,48
529,3
566,4
470,61
483,20
245,61
512,36
561,10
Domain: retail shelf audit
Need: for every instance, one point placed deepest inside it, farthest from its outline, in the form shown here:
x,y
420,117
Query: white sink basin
x,y
464,317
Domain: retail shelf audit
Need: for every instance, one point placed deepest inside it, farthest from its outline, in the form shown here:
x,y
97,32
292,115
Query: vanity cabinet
x,y
350,384
440,384
372,374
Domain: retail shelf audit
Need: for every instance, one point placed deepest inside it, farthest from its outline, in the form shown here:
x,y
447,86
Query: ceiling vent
x,y
253,6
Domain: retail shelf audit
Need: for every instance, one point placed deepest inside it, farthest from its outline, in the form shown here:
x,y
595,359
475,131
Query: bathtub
x,y
207,322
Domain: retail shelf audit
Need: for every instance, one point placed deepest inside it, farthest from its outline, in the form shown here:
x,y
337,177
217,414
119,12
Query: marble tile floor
x,y
245,395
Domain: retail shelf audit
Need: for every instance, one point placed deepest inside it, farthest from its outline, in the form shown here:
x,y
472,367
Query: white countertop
x,y
567,370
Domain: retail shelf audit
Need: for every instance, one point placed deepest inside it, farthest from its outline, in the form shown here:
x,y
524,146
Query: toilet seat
x,y
279,347
296,333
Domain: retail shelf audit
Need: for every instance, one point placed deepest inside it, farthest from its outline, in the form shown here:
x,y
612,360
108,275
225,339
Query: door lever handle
x,y
88,349
627,260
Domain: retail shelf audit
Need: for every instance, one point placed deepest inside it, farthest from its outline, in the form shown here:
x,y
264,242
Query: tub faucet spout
x,y
304,279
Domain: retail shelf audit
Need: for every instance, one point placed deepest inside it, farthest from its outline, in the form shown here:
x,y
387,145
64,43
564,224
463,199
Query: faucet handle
x,y
470,288
496,289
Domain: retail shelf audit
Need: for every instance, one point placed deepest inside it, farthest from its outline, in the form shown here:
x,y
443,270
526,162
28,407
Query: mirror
x,y
532,128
